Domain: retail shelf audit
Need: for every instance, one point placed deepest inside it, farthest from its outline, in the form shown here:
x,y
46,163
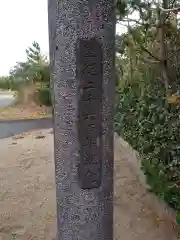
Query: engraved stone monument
x,y
82,37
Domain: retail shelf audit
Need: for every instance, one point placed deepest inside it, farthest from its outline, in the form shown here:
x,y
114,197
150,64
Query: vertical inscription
x,y
89,75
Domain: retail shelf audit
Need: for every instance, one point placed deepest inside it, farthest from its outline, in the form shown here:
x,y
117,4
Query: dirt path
x,y
27,194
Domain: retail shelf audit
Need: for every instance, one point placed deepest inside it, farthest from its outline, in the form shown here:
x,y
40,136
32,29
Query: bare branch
x,y
132,20
174,53
123,25
136,21
175,10
160,79
147,51
173,3
150,54
146,60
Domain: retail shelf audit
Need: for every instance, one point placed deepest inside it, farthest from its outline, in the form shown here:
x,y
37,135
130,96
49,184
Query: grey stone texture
x,y
89,79
82,214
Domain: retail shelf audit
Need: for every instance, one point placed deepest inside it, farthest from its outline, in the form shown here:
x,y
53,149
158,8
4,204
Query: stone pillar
x,y
82,56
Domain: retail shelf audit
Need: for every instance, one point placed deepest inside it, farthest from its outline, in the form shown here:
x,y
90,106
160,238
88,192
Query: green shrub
x,y
11,83
5,83
44,96
154,131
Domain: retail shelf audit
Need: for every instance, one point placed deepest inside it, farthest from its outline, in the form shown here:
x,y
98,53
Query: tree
x,y
21,70
147,116
151,33
34,54
35,69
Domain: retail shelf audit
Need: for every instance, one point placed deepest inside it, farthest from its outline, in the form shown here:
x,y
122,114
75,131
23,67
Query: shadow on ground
x,y
10,128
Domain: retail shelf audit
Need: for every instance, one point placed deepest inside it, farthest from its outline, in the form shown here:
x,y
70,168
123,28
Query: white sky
x,y
21,23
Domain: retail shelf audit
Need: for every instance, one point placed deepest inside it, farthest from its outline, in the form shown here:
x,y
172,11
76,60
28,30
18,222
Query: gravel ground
x,y
27,193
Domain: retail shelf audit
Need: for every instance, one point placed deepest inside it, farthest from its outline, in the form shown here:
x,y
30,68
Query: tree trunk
x,y
130,57
82,53
164,66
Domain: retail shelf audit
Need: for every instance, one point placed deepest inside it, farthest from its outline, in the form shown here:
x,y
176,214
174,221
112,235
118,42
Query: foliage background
x,y
147,108
31,77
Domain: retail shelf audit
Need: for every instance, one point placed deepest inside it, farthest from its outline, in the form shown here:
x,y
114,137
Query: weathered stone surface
x,y
82,213
89,76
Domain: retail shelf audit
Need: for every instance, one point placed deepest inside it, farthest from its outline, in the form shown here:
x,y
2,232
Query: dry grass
x,y
25,111
24,106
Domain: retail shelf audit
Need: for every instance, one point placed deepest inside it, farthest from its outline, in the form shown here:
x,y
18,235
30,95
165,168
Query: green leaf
x,y
178,218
